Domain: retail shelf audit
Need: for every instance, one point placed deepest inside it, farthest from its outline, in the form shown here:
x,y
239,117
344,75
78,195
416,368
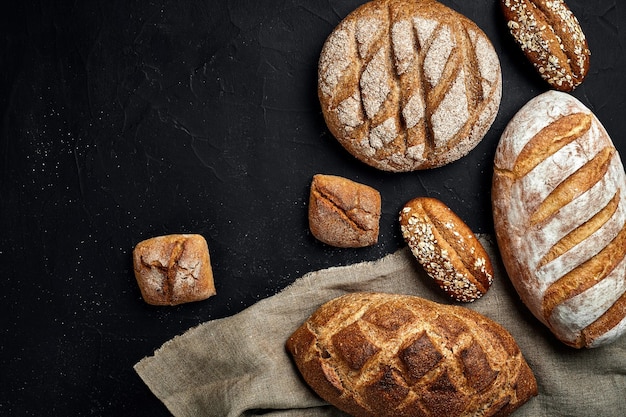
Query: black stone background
x,y
123,120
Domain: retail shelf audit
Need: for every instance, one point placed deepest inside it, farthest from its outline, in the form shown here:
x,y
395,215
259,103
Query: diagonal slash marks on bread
x,y
406,85
560,219
574,186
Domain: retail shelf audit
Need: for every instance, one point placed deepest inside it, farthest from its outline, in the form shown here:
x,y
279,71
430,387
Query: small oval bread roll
x,y
446,248
343,213
387,355
559,201
407,85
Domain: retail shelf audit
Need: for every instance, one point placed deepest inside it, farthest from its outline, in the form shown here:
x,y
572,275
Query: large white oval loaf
x,y
407,85
559,201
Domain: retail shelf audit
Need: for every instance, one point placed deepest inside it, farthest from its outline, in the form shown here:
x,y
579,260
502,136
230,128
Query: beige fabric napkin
x,y
238,366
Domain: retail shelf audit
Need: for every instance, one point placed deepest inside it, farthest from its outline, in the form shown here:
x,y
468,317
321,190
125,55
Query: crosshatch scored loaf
x,y
388,355
407,85
559,201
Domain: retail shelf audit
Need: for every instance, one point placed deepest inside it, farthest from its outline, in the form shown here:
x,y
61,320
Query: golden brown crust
x,y
343,213
173,269
560,221
407,85
551,38
447,248
430,360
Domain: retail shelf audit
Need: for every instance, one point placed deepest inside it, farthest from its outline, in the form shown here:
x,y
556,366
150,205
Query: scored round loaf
x,y
446,248
407,85
551,38
388,355
342,212
559,207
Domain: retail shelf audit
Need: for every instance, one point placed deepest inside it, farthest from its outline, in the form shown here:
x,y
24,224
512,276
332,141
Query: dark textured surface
x,y
123,120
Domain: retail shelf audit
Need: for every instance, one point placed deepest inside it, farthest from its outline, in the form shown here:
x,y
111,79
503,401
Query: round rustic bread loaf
x,y
389,355
407,85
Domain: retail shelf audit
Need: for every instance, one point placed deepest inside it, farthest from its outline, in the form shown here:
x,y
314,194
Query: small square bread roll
x,y
343,213
173,269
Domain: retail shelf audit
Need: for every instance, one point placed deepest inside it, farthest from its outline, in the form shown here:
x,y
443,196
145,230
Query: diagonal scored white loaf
x,y
408,84
559,201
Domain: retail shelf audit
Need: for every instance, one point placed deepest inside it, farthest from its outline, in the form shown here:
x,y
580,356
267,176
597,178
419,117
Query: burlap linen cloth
x,y
238,366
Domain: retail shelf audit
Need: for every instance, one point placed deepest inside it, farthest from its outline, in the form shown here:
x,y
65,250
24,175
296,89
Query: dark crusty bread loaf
x,y
386,355
407,85
343,213
559,201
173,269
446,248
551,38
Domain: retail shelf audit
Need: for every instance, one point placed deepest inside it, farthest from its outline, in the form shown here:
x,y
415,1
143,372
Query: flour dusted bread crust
x,y
342,212
446,248
387,355
551,38
173,269
408,84
559,201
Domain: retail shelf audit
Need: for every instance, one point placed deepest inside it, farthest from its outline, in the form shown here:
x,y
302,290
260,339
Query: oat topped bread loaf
x,y
446,248
551,38
389,355
559,207
408,84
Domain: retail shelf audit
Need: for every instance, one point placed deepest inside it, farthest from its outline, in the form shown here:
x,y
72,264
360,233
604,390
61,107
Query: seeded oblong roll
x,y
551,38
446,248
